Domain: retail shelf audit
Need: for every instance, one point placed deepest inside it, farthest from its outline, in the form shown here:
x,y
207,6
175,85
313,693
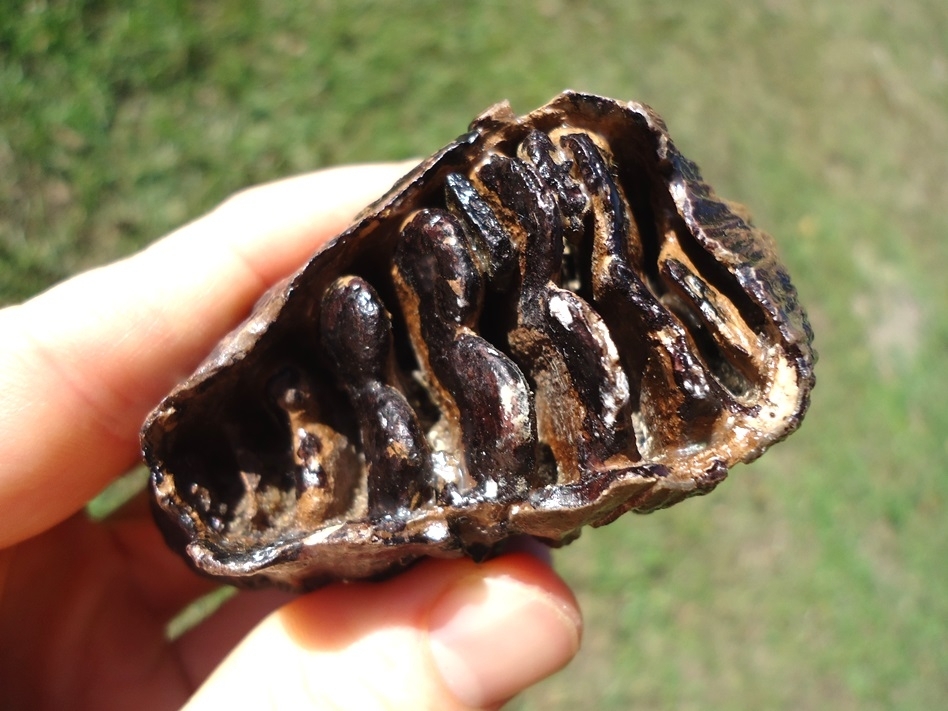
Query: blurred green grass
x,y
815,578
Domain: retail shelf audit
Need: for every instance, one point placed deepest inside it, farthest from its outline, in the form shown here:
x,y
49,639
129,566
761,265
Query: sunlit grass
x,y
815,578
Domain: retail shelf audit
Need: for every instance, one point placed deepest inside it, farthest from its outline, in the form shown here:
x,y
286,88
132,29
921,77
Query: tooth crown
x,y
550,322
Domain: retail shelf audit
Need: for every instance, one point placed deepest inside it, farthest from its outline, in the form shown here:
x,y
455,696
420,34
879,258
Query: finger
x,y
202,648
445,635
163,581
84,362
75,632
83,612
80,562
205,646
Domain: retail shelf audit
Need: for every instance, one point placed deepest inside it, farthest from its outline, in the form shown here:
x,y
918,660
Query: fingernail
x,y
492,638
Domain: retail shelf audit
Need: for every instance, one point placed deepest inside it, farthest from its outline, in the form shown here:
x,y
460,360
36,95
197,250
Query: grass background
x,y
818,577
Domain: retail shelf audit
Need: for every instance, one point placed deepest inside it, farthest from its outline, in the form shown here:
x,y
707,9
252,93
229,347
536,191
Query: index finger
x,y
83,363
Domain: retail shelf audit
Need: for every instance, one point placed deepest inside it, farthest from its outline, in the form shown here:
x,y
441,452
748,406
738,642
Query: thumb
x,y
444,635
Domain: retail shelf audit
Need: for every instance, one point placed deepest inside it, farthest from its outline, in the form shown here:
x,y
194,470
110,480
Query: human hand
x,y
84,605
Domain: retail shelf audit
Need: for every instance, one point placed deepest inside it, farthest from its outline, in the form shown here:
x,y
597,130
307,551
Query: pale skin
x,y
83,605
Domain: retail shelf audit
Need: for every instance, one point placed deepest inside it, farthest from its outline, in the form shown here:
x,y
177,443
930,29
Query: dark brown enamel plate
x,y
548,323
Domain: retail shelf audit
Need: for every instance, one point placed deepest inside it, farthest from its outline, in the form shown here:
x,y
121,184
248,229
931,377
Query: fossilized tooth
x,y
548,323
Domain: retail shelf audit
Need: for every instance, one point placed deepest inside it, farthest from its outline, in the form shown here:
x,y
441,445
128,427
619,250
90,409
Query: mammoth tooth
x,y
550,322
